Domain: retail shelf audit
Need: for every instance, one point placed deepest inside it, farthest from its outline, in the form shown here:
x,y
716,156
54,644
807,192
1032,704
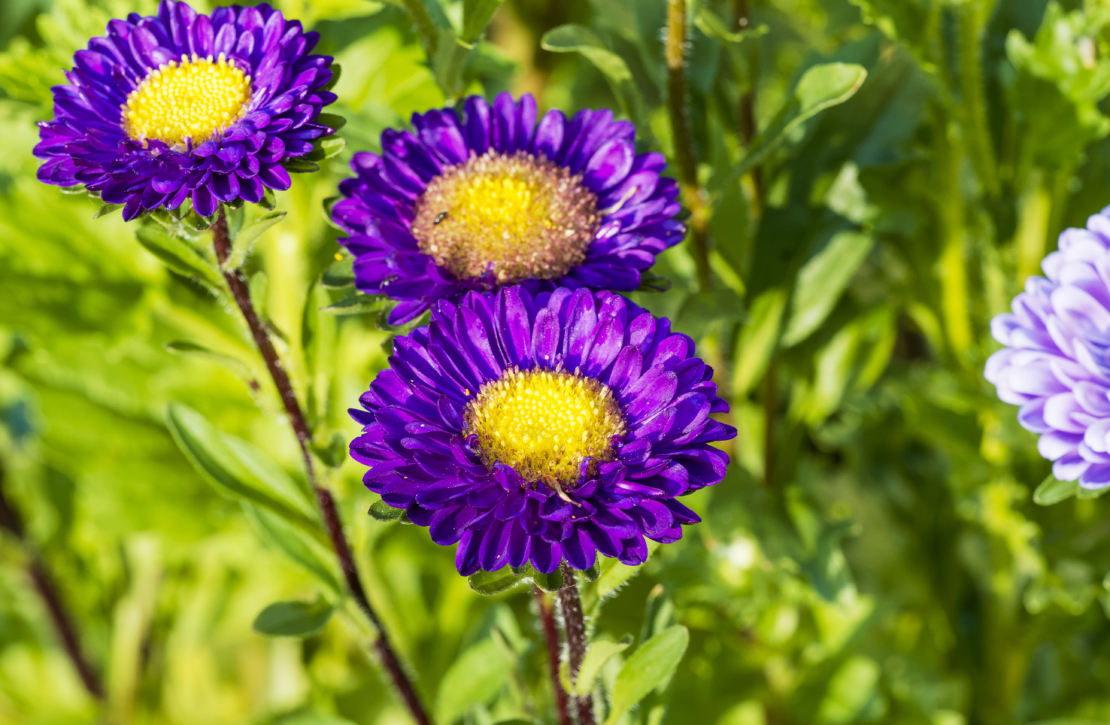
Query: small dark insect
x,y
440,217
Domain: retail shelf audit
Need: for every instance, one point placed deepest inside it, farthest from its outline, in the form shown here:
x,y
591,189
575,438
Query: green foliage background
x,y
875,554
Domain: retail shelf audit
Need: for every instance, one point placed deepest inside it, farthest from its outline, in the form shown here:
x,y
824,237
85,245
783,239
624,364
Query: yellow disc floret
x,y
514,216
187,101
544,423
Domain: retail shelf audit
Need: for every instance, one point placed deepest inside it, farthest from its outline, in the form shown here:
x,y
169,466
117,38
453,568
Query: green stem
x,y
425,28
674,52
974,107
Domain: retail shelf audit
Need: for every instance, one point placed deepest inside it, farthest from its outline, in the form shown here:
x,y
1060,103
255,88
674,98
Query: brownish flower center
x,y
513,216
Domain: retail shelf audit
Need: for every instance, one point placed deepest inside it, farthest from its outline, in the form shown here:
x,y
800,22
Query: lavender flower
x,y
537,429
1056,363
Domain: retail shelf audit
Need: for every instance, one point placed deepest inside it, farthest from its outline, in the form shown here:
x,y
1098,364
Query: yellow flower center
x,y
516,216
544,423
191,100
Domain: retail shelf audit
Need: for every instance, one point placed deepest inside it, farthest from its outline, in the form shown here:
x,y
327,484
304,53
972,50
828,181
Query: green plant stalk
x,y
974,107
952,266
425,28
574,623
674,52
330,515
43,582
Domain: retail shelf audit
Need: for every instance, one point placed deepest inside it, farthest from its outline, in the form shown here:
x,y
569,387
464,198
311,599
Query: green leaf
x,y
821,87
651,665
306,551
580,39
336,74
552,582
599,653
490,583
1052,491
176,254
476,15
1089,493
475,678
300,165
381,511
357,303
221,464
106,209
712,25
651,282
269,200
339,274
449,60
332,120
756,343
293,619
326,148
242,242
821,282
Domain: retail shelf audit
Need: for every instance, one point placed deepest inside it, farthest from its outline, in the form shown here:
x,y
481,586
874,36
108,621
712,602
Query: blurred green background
x,y
875,554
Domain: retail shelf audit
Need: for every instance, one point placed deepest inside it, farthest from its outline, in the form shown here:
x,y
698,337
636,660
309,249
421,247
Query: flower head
x,y
1056,363
184,105
492,199
537,429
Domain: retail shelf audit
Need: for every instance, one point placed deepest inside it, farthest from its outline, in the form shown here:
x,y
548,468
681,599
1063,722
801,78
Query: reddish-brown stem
x,y
334,524
694,195
44,585
574,624
551,634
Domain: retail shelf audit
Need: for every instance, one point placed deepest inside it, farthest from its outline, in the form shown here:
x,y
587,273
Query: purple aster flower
x,y
1056,363
183,105
493,198
537,429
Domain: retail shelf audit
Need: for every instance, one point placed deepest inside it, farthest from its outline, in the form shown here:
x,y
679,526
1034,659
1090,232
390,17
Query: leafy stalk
x,y
241,293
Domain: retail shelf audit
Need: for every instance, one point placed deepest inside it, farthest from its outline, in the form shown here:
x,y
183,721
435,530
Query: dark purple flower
x,y
537,429
494,198
183,105
1056,363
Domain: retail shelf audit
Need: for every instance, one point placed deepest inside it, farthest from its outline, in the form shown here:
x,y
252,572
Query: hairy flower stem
x,y
328,511
685,155
575,625
551,634
43,582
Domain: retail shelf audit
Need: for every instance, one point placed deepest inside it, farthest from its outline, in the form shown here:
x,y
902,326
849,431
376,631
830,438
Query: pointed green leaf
x,y
332,120
758,339
821,282
489,583
476,15
821,87
217,460
1053,491
106,209
242,242
339,274
475,678
599,653
176,254
580,39
306,551
552,582
381,511
357,303
293,619
651,665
